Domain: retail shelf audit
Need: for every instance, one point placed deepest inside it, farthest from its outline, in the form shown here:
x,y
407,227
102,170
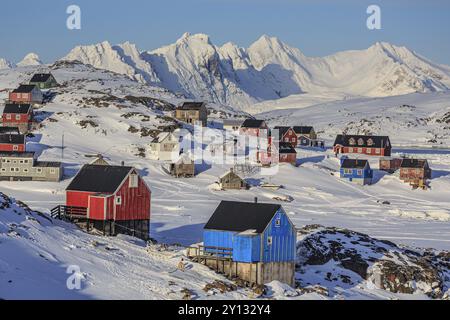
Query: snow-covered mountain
x,y
5,64
269,69
31,59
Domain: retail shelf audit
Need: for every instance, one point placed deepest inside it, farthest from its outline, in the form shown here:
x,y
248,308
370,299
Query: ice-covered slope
x,y
269,69
31,59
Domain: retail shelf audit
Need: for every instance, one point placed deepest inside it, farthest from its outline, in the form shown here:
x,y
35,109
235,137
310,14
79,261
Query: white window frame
x,y
118,200
15,148
17,116
269,240
134,181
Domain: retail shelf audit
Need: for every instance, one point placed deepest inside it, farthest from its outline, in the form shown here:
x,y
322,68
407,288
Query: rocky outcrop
x,y
378,263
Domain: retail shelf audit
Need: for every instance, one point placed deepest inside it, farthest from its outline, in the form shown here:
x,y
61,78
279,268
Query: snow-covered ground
x,y
96,115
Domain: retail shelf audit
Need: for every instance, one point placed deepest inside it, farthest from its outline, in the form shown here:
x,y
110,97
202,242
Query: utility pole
x,y
62,147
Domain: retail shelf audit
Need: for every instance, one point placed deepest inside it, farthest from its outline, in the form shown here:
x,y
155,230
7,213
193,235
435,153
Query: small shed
x,y
260,237
287,153
184,167
231,181
356,171
416,172
44,80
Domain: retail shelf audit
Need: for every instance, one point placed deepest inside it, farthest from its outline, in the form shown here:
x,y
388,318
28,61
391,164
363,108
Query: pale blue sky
x,y
317,27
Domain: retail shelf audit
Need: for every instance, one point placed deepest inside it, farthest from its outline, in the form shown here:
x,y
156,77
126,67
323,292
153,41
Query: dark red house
x,y
113,199
285,153
26,93
368,145
255,128
18,115
12,142
286,135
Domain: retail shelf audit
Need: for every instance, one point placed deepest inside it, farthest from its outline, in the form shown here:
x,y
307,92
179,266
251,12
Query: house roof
x,y
303,129
414,163
286,147
47,164
281,130
354,164
25,88
233,122
98,178
191,106
12,139
376,141
230,172
17,108
9,130
242,216
41,77
14,154
253,123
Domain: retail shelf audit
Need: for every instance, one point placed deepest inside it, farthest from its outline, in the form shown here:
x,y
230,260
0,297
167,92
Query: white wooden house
x,y
165,147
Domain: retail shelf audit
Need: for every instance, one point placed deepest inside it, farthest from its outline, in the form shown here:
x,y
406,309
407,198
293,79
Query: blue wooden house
x,y
357,171
259,236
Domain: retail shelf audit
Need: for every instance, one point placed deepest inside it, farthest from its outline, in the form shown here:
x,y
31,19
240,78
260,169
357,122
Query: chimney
x,y
123,163
256,200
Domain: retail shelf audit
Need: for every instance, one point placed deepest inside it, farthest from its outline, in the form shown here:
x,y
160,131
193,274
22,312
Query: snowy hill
x,y
269,69
100,111
31,59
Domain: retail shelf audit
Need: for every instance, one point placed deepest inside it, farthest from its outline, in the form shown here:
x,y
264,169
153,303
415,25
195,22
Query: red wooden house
x,y
286,135
113,199
18,115
26,93
283,153
12,142
368,145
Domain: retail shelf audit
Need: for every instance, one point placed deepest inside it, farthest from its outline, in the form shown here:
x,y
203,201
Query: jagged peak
x,y
188,37
5,64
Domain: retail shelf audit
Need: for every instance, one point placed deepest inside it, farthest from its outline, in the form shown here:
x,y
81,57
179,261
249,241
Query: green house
x,y
44,81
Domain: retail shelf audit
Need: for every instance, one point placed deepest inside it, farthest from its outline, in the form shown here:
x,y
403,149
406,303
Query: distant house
x,y
287,154
390,165
192,113
232,125
231,181
22,166
260,240
286,135
26,93
12,142
368,145
165,147
100,161
306,135
357,171
19,116
183,167
416,172
112,199
255,128
44,81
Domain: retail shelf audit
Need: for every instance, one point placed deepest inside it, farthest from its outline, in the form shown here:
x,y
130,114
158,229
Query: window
x,y
25,170
369,150
52,171
269,241
278,222
8,116
348,171
377,151
134,181
350,150
17,116
11,169
370,142
352,141
15,148
360,150
3,170
39,170
360,172
360,142
118,200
